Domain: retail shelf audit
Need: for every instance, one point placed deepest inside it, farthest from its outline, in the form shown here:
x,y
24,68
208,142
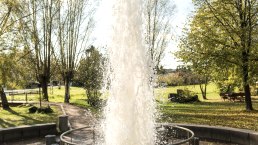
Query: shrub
x,y
94,98
33,109
45,110
184,96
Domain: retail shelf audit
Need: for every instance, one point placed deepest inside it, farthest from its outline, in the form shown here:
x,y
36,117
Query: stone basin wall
x,y
222,134
27,132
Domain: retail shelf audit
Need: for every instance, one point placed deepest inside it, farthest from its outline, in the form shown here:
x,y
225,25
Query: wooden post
x,y
12,96
63,123
39,98
26,97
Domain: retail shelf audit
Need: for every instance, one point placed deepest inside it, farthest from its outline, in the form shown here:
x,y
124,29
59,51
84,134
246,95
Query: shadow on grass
x,y
204,104
27,119
5,124
230,114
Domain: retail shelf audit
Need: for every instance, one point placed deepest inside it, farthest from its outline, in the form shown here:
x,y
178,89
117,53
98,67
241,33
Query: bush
x,y
94,101
171,79
45,110
184,96
33,109
94,98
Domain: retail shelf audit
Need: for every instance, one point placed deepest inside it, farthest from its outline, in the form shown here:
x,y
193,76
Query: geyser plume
x,y
129,114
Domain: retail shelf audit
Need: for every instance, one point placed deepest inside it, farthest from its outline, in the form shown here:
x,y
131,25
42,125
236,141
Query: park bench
x,y
223,96
232,96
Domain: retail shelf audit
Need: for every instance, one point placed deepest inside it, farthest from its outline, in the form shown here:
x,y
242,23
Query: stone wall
x,y
26,132
223,134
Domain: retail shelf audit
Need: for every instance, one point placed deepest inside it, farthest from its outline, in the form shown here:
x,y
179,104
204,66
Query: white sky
x,y
183,10
103,28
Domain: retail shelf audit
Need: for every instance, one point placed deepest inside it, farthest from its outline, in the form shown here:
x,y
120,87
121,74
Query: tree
x,y
90,71
158,16
203,71
38,30
7,21
5,66
74,28
222,34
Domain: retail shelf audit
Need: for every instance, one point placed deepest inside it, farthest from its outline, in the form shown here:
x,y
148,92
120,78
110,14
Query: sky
x,y
183,10
103,27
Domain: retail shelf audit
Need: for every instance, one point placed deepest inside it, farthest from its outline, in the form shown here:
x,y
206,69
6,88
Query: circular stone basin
x,y
166,135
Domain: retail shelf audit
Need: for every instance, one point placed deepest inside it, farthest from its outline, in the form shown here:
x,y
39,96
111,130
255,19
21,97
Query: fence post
x,y
63,123
26,97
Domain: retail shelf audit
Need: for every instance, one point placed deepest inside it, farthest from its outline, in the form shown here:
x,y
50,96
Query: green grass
x,y
212,92
230,114
77,94
20,115
78,97
208,112
213,111
55,95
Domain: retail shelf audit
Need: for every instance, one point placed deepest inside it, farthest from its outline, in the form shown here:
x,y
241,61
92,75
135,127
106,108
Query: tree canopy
x,y
223,37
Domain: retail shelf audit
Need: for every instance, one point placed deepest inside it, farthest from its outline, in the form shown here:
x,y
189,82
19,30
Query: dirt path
x,y
77,116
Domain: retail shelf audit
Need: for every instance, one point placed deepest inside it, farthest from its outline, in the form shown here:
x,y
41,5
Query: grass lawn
x,y
208,112
230,114
55,95
213,111
212,92
78,95
20,115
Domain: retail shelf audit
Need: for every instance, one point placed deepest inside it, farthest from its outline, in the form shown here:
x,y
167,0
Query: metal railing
x,y
84,135
166,135
174,135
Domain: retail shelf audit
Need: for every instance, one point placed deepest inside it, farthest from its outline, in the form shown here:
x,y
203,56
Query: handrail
x,y
69,131
92,127
186,140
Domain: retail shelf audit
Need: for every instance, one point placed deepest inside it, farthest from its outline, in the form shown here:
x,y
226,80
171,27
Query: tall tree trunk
x,y
205,86
203,90
67,89
246,40
44,90
248,100
5,103
68,76
44,86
